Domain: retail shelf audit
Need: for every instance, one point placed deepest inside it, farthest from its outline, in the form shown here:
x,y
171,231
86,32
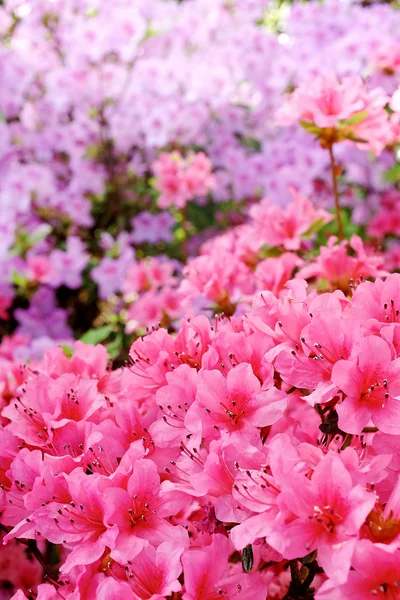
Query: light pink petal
x,y
353,416
387,419
250,530
335,559
273,404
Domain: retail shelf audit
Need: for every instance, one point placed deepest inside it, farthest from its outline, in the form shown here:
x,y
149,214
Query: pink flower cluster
x,y
248,445
340,110
93,96
150,291
181,179
274,435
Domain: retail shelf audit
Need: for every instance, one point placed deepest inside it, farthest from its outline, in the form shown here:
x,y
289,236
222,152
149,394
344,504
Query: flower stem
x,y
336,193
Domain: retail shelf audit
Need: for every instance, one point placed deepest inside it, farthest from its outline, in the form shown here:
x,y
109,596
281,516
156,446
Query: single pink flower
x,y
207,577
375,574
370,381
140,512
234,403
285,227
323,514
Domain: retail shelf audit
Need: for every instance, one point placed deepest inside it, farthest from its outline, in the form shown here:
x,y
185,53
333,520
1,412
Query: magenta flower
x,y
140,512
234,403
324,514
375,574
339,110
370,382
207,578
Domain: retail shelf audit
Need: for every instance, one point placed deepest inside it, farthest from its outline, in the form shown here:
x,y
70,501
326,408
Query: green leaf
x,y
306,560
39,234
69,352
249,142
93,151
269,252
310,127
114,347
357,118
353,138
150,32
19,280
96,336
392,175
316,226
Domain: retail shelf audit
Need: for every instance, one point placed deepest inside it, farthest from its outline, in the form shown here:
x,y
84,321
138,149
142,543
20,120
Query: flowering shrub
x,y
148,142
229,453
217,203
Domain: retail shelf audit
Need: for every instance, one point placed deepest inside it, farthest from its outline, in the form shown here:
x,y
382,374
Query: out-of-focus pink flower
x,y
339,268
339,110
181,179
39,268
285,227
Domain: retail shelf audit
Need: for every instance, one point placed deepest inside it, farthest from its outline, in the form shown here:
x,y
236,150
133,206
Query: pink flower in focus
x,y
370,380
234,403
207,576
140,512
323,514
375,574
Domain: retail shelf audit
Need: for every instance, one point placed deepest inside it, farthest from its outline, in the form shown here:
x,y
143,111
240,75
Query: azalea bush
x,y
116,147
199,300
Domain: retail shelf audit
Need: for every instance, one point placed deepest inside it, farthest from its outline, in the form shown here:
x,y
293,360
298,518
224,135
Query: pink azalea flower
x,y
324,101
140,512
285,227
234,403
376,303
339,110
273,273
39,268
79,520
207,578
370,380
156,571
326,340
375,575
179,180
336,265
323,514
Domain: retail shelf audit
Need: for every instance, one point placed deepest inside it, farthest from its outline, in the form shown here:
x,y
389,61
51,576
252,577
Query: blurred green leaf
x,y
269,252
310,127
316,226
392,175
114,347
19,280
96,336
358,117
69,352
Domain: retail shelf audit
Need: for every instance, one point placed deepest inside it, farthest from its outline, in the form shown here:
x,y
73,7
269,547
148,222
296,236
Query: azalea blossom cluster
x,y
221,460
178,180
237,436
107,139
